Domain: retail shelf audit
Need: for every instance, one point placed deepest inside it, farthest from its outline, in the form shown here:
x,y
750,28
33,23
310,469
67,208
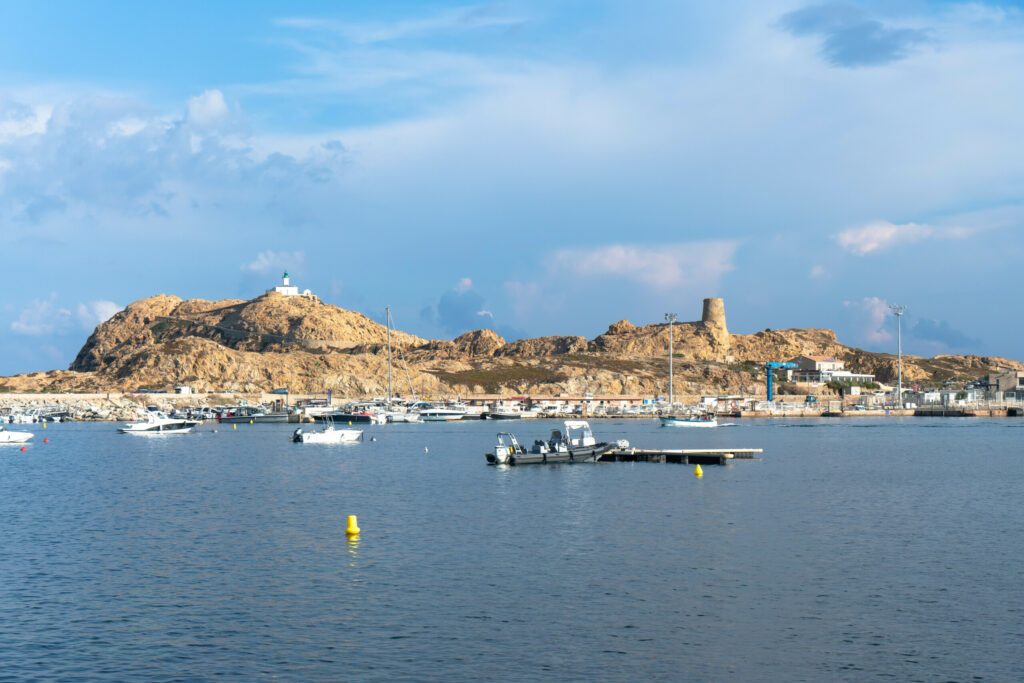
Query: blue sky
x,y
534,167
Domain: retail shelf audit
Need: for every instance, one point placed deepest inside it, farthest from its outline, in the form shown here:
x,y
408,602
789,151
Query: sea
x,y
854,549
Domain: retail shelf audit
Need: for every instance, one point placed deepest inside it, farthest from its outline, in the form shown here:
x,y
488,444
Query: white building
x,y
286,288
824,369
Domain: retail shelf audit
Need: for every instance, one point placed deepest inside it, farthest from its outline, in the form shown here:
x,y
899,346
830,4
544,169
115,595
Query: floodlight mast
x,y
898,310
670,318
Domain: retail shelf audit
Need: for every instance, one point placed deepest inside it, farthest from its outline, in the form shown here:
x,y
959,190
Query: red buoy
x,y
24,448
47,440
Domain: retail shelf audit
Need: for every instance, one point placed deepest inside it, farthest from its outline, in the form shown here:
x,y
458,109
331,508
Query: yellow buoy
x,y
44,424
234,426
350,423
251,422
353,526
698,472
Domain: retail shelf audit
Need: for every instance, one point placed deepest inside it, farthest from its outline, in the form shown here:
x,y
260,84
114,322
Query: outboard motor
x,y
297,435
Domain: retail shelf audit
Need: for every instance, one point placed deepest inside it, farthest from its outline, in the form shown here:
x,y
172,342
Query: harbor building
x,y
1007,384
825,369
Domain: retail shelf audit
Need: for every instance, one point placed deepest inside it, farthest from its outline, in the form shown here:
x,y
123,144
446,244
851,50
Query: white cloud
x,y
659,267
871,317
269,262
41,317
818,272
94,313
18,120
208,108
464,285
459,19
882,235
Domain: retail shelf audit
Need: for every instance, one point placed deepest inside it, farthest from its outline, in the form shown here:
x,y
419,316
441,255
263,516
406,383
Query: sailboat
x,y
391,412
689,420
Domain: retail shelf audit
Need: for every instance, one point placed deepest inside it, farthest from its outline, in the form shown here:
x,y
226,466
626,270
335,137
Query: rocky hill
x,y
306,345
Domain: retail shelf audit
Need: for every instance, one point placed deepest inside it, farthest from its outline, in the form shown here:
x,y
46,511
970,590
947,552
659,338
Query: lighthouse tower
x,y
286,288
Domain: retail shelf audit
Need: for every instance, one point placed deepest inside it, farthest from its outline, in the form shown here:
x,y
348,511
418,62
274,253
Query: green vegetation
x,y
840,385
493,379
748,366
589,362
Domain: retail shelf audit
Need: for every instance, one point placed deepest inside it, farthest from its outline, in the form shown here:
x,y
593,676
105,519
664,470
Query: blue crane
x,y
769,370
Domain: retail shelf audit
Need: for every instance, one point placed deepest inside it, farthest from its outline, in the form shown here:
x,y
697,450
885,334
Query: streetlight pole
x,y
670,318
898,311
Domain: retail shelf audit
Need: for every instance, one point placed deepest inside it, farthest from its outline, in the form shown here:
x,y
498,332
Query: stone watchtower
x,y
713,320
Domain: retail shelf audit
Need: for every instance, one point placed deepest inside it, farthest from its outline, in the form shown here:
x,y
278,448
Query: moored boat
x,y
328,435
443,412
158,423
9,437
575,444
689,421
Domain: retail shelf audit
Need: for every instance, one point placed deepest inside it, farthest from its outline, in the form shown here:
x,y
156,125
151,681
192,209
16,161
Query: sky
x,y
532,167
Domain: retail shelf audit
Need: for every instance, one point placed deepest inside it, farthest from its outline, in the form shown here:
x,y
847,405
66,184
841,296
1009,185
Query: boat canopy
x,y
577,424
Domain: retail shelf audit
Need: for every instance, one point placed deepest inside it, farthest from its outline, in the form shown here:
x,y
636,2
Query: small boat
x,y
328,435
443,412
247,414
362,416
158,423
9,437
576,444
504,413
705,420
403,416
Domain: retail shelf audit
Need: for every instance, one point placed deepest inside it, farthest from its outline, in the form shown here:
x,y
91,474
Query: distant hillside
x,y
306,345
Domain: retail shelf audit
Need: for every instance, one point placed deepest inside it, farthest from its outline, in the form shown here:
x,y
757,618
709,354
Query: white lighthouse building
x,y
286,288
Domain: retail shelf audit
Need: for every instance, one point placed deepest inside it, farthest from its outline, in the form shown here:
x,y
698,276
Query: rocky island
x,y
282,339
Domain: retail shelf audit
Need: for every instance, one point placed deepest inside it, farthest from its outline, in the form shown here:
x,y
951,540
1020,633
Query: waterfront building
x,y
824,369
1006,384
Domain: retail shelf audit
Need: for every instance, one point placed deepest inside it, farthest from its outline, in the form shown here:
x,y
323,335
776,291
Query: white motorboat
x,y
158,423
9,437
501,412
689,421
576,444
403,416
448,412
328,435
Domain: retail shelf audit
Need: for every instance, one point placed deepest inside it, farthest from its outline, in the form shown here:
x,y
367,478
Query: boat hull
x,y
337,436
677,422
404,417
156,432
576,455
15,437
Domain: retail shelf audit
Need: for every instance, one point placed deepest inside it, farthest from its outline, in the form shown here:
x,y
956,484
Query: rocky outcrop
x,y
544,346
307,345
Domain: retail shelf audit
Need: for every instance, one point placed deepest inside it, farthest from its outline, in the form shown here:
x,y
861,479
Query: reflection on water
x,y
852,550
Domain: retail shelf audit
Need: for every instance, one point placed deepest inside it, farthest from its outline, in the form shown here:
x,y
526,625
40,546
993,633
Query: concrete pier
x,y
685,456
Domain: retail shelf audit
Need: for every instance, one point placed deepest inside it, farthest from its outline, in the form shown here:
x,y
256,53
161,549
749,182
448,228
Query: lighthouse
x,y
286,288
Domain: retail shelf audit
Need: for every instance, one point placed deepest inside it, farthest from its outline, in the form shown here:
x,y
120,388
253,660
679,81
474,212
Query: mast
x,y
387,310
670,318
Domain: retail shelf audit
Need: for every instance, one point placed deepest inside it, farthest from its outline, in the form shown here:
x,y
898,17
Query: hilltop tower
x,y
714,315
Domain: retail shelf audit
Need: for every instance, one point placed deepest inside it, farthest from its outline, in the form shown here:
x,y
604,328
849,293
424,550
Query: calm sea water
x,y
854,550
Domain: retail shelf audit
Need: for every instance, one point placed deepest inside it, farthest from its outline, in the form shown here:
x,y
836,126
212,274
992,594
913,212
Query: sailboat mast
x,y
387,310
670,318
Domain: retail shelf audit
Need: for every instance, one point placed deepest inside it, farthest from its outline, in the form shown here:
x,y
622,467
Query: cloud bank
x,y
850,38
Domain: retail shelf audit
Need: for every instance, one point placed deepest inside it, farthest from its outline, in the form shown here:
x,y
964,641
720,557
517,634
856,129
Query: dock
x,y
685,456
